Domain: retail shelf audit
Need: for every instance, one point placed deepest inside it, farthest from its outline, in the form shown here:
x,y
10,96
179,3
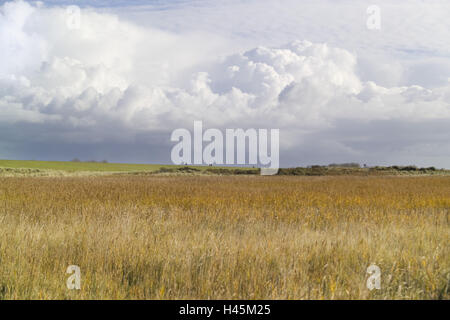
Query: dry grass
x,y
210,237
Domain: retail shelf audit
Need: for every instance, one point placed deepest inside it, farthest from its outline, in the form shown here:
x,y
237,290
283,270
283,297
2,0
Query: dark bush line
x,y
182,169
218,171
314,170
354,170
224,171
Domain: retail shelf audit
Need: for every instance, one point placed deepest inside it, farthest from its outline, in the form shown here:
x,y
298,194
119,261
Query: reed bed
x,y
224,237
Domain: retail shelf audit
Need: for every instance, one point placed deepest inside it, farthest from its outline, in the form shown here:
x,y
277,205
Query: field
x,y
70,166
31,168
224,237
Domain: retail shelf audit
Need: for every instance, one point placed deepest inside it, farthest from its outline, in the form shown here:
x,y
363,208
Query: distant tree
x,y
76,160
104,161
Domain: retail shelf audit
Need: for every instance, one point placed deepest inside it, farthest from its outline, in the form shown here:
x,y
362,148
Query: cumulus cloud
x,y
115,89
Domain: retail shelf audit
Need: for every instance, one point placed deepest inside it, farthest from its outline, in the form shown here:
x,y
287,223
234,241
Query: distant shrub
x,y
165,169
218,171
409,168
188,169
75,160
246,171
293,171
379,168
224,171
345,165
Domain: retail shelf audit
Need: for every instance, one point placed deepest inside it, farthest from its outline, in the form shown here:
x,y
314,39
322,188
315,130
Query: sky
x,y
114,79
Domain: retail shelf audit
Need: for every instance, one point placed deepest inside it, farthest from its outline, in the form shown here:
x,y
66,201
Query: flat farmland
x,y
70,166
225,237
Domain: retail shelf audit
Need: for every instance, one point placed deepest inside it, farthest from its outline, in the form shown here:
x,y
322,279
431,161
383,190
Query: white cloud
x,y
113,82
